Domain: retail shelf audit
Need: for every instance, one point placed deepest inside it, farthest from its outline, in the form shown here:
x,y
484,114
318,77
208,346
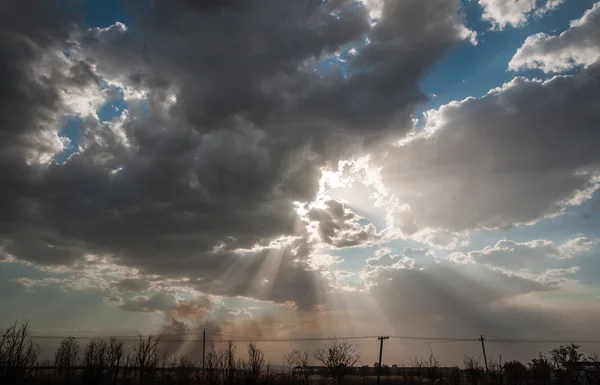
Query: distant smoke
x,y
181,333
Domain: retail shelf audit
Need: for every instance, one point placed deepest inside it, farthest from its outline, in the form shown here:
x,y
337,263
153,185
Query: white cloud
x,y
557,276
516,13
72,283
577,245
541,260
577,46
319,261
503,12
144,304
515,255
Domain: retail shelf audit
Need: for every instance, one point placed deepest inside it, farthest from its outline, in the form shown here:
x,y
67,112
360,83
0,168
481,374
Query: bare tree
x,y
127,368
67,358
182,368
473,369
338,358
495,370
163,360
145,356
432,371
214,366
418,364
255,363
115,359
302,361
290,360
17,352
268,375
230,362
95,361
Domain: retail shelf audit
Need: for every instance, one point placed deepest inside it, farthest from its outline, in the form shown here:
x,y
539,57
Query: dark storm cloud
x,y
234,128
27,104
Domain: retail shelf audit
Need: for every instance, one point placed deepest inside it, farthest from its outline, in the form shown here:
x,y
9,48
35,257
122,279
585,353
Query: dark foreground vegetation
x,y
103,362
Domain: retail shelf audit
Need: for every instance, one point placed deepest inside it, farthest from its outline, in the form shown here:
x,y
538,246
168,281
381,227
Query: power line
x,y
449,339
135,338
531,341
249,338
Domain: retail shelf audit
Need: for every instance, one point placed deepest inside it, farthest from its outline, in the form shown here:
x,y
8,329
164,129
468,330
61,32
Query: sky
x,y
280,170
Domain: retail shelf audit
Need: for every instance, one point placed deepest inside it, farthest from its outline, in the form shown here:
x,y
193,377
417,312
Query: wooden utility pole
x,y
484,356
203,348
381,339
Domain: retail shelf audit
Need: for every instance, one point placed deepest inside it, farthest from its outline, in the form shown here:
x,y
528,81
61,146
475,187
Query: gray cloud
x,y
451,299
577,46
340,227
522,152
232,131
128,285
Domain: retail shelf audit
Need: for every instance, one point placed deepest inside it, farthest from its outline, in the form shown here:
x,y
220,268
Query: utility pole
x,y
203,348
484,356
381,339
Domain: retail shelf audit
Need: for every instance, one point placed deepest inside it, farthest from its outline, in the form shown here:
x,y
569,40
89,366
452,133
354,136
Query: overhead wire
x,y
240,337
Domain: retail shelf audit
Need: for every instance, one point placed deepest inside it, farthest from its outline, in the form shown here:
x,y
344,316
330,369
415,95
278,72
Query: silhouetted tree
x,y
290,360
115,359
95,361
302,360
515,373
455,376
564,359
417,364
432,370
495,371
214,366
473,370
230,362
594,375
182,368
339,358
67,358
17,352
145,356
385,370
255,364
541,370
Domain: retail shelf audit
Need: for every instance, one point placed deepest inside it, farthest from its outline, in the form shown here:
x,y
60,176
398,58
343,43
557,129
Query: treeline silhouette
x,y
106,362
